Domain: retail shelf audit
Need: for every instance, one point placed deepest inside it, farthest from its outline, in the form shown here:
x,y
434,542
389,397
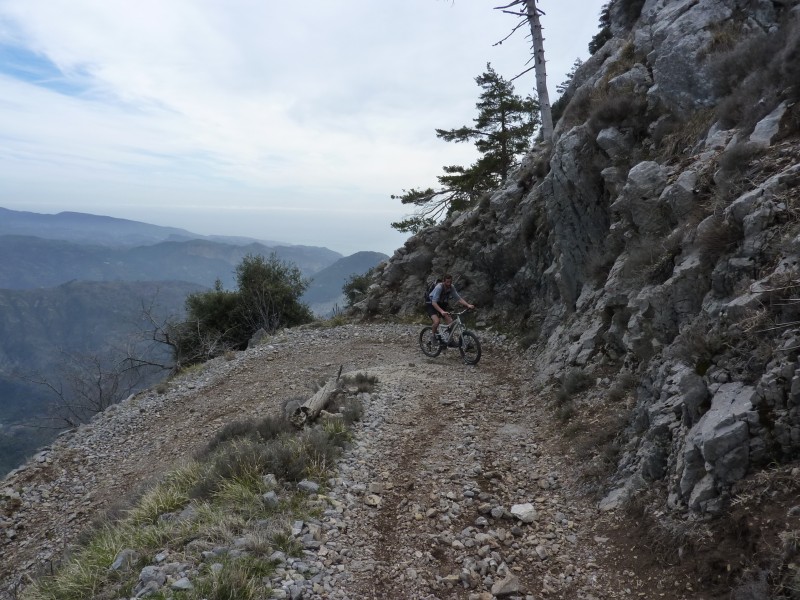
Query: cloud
x,y
245,100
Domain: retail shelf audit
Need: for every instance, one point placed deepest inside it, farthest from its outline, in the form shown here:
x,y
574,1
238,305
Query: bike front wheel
x,y
470,348
428,343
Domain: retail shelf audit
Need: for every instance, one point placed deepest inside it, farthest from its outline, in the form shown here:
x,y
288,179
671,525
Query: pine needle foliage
x,y
502,132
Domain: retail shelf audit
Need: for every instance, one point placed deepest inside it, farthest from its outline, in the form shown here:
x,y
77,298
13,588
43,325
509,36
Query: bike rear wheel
x,y
428,343
470,348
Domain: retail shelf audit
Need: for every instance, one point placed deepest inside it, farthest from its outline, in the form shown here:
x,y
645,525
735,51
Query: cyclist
x,y
438,301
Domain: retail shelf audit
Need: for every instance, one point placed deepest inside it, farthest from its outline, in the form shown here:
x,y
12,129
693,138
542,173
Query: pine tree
x,y
502,131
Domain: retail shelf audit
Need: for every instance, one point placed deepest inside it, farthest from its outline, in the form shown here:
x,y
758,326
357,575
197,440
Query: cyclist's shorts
x,y
432,311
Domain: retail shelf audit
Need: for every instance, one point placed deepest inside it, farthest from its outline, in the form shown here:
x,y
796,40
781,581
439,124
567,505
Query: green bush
x,y
219,321
355,288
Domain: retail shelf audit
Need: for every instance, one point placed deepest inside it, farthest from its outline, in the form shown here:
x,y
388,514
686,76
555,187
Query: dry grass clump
x,y
624,384
719,236
289,456
678,138
597,437
623,110
669,541
213,500
361,381
725,35
263,429
756,74
698,343
352,410
651,261
782,300
241,579
735,161
598,266
571,383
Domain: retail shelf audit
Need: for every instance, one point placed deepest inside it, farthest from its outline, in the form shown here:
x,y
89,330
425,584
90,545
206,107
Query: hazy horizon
x,y
250,118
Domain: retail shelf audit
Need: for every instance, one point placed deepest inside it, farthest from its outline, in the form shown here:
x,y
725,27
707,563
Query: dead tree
x,y
531,16
310,409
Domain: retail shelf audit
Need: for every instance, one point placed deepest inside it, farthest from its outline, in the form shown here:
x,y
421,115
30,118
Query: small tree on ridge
x,y
502,131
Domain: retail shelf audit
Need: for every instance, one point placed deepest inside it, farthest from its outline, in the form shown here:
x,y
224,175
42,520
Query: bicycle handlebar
x,y
461,312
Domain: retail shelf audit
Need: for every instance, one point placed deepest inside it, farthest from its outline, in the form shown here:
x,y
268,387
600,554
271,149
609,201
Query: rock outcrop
x,y
657,237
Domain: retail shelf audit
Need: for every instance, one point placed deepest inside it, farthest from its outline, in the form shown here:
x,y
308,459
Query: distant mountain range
x,y
32,262
75,284
41,250
333,277
98,230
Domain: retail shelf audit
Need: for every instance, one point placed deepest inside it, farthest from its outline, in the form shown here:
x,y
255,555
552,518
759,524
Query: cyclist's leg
x,y
447,318
435,317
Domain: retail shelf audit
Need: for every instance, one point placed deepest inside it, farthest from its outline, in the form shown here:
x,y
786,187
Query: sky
x,y
283,121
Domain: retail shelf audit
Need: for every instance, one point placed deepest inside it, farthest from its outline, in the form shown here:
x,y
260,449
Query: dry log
x,y
310,409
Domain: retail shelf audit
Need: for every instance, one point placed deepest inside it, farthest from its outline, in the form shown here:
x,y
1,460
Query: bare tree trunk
x,y
541,73
310,409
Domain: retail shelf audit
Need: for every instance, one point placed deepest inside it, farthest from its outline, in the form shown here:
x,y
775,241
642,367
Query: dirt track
x,y
443,443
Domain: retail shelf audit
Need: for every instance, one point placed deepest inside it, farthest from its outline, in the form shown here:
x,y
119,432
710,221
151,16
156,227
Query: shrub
x,y
737,158
219,321
352,411
599,39
355,288
575,381
718,237
630,11
362,382
624,110
266,429
757,74
269,292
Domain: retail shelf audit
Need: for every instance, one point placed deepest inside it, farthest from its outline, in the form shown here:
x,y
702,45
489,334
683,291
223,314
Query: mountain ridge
x,y
114,231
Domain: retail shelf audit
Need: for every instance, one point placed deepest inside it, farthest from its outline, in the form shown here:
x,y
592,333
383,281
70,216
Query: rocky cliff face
x,y
656,240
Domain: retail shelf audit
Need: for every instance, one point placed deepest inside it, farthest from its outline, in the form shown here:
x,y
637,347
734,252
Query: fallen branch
x,y
310,409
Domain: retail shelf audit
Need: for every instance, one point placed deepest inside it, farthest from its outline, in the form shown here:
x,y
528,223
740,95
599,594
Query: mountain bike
x,y
455,335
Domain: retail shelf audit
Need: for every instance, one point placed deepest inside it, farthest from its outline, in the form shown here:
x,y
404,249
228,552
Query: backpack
x,y
429,288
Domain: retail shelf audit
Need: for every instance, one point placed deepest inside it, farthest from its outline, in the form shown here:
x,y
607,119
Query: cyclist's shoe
x,y
453,344
440,339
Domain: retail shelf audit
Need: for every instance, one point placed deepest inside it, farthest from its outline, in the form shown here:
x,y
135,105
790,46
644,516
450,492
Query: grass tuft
x,y
223,488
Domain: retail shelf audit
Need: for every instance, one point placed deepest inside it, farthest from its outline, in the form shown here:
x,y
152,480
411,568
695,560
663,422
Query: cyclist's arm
x,y
438,308
435,295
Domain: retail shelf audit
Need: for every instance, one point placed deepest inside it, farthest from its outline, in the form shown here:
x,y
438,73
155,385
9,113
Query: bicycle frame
x,y
454,335
457,324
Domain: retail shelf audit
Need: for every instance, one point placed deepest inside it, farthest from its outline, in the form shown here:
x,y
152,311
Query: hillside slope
x,y
447,450
57,334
